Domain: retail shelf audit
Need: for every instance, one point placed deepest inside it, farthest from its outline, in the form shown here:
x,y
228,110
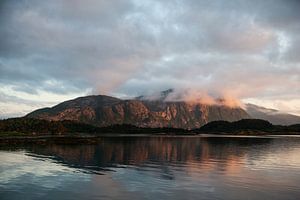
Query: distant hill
x,y
247,126
274,116
104,111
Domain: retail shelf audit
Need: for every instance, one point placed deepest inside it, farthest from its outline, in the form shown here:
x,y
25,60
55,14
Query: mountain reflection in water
x,y
171,168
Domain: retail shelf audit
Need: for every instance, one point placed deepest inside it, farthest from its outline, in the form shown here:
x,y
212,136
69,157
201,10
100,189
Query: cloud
x,y
10,105
239,49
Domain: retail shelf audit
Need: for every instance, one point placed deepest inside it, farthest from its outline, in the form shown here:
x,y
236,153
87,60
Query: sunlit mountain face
x,y
239,51
168,108
104,111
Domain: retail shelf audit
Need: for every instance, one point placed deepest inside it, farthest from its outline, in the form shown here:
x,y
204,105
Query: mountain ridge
x,y
156,110
101,110
272,115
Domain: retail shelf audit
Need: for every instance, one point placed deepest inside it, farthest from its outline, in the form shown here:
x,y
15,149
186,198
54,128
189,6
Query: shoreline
x,y
94,139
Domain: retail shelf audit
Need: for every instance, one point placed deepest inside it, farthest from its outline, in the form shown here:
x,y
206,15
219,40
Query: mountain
x,y
104,111
271,115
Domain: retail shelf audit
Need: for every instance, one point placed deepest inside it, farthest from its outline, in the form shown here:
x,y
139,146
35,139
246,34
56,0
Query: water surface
x,y
154,168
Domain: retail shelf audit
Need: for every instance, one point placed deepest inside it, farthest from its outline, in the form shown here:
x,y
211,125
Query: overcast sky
x,y
51,51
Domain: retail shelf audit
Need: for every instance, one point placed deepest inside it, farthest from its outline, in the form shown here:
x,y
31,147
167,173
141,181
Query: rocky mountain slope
x,y
271,115
105,110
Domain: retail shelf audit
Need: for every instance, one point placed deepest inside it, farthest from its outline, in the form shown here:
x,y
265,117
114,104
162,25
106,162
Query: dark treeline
x,y
247,125
43,127
40,127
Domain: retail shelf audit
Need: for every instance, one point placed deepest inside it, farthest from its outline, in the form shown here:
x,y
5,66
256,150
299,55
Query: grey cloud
x,y
16,106
136,47
4,98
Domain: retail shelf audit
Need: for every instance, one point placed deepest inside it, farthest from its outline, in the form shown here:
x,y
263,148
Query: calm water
x,y
154,168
